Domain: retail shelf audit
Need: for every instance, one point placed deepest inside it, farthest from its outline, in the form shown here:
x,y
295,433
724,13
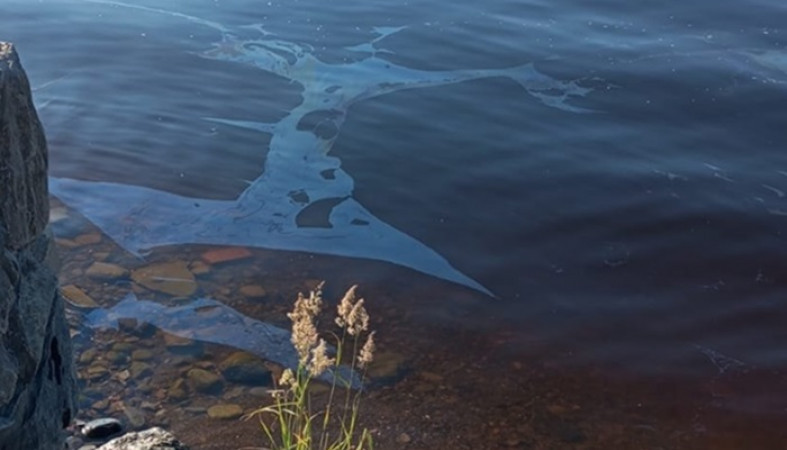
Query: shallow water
x,y
622,195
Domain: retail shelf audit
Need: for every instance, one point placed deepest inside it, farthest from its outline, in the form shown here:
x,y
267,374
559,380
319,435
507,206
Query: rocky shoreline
x,y
145,376
38,384
37,379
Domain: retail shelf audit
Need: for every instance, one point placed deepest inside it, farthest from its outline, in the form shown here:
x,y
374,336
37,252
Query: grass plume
x,y
292,422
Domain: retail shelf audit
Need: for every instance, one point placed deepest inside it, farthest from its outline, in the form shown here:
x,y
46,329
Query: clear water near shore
x,y
624,200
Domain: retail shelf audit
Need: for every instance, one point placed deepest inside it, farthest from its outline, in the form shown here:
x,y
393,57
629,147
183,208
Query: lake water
x,y
597,189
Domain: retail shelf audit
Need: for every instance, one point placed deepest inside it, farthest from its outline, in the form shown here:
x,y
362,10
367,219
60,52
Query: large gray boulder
x,y
37,382
151,439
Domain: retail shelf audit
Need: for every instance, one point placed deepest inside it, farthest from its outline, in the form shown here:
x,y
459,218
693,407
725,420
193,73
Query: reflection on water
x,y
299,174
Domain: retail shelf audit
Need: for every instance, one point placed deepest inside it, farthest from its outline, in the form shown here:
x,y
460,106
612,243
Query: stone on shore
x,y
152,439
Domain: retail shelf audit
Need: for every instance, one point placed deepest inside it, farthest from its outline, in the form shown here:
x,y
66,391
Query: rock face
x,y
24,203
37,382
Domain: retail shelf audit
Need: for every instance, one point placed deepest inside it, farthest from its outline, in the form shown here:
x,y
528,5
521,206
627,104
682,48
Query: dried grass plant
x,y
295,425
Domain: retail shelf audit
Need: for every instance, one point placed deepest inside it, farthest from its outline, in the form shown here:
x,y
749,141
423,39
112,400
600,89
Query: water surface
x,y
611,178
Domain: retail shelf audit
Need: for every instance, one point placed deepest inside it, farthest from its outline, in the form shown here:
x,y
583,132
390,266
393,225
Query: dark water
x,y
639,225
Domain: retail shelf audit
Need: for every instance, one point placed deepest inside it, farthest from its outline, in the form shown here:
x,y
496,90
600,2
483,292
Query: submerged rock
x,y
201,380
77,297
88,239
245,368
106,271
88,355
226,411
387,367
227,254
116,357
123,347
173,278
142,354
177,391
96,371
134,416
199,267
140,369
253,291
182,346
